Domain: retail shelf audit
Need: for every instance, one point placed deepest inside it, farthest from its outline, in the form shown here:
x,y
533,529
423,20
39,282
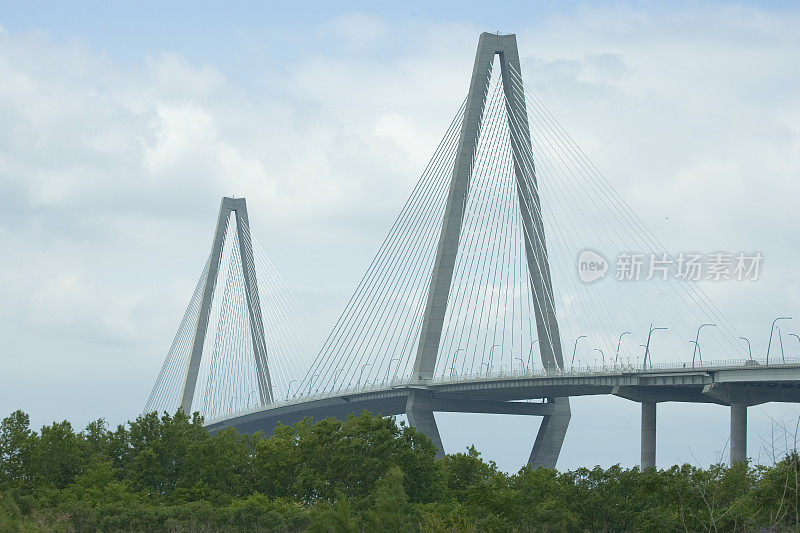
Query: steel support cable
x,y
169,396
237,351
677,312
365,281
394,258
255,324
222,336
648,236
426,267
504,268
428,231
545,323
473,224
241,353
527,180
498,244
598,298
699,296
406,275
287,312
561,169
474,207
230,346
285,300
163,390
424,259
516,293
172,362
490,270
281,371
215,313
521,283
410,216
465,237
498,157
527,156
416,313
493,143
508,259
467,233
571,202
671,304
476,201
527,165
397,259
250,281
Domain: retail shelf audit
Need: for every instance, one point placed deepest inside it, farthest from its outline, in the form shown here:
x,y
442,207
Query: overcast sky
x,y
121,128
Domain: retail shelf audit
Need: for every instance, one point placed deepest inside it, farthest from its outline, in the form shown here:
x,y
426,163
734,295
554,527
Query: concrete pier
x,y
738,432
648,435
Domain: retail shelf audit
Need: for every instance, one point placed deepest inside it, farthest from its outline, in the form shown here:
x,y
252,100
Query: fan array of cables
x,y
490,320
489,325
228,372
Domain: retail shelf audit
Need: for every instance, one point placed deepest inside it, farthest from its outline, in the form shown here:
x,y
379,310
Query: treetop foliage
x,y
366,473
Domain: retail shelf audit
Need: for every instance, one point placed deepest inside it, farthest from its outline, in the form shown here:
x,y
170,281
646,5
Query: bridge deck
x,y
502,393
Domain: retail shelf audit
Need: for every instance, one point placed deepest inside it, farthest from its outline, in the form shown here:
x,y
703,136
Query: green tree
x,y
390,512
16,443
335,518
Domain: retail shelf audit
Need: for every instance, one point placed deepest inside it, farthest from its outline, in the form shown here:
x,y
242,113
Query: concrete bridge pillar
x,y
648,435
420,416
738,432
547,446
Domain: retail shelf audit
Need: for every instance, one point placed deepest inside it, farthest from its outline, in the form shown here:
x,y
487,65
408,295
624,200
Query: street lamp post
x,y
749,349
390,367
289,388
619,342
574,348
491,354
530,354
771,330
522,363
361,374
697,345
336,376
602,356
796,336
647,348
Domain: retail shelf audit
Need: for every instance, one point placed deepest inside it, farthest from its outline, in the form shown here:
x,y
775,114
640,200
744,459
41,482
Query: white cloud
x,y
110,174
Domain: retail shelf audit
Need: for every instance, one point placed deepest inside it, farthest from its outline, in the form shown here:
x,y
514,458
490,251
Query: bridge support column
x,y
420,416
547,446
648,435
738,432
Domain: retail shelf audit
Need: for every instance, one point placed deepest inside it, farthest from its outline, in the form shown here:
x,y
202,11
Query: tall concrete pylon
x,y
238,208
554,426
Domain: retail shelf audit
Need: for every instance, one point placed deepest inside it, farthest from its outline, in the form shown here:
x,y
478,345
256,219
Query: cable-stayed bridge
x,y
473,303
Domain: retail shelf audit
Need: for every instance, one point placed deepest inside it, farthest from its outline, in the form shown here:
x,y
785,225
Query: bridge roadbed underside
x,y
750,386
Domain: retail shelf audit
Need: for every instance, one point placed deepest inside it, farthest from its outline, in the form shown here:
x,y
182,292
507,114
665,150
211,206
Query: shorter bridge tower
x,y
236,209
